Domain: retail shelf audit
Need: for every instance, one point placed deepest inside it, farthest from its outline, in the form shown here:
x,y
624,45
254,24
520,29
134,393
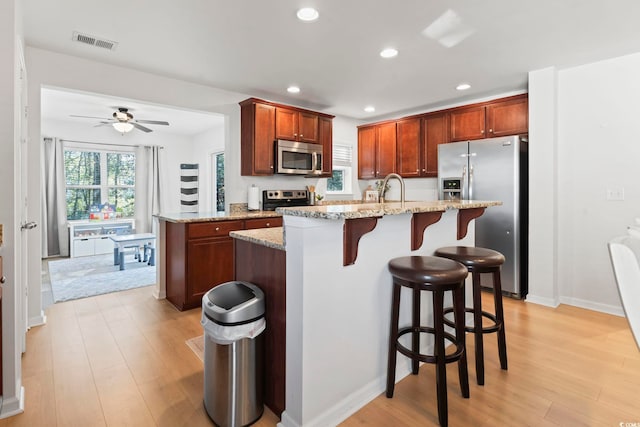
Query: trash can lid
x,y
234,303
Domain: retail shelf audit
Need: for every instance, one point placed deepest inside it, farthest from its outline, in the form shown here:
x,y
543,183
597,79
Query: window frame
x,y
104,187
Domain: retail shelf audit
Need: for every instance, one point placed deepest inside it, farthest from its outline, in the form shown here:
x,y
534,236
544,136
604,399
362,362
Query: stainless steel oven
x,y
298,158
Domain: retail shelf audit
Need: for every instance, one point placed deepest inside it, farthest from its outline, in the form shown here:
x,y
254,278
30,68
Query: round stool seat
x,y
428,269
471,256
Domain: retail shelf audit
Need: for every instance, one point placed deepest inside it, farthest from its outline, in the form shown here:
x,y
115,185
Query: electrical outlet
x,y
615,194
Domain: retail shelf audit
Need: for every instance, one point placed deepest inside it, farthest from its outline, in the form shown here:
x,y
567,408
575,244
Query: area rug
x,y
83,277
197,346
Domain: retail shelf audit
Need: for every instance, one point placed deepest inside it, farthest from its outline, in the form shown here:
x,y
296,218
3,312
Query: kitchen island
x,y
338,296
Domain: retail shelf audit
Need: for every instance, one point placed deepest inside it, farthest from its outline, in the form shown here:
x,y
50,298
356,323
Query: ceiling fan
x,y
123,121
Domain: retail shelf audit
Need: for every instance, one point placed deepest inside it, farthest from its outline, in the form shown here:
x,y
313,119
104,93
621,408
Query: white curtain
x,y
148,187
55,234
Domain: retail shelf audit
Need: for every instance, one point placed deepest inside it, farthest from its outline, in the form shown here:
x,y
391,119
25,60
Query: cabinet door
x,y
325,137
436,131
286,124
408,140
209,263
308,127
103,245
367,152
263,143
467,123
508,117
386,149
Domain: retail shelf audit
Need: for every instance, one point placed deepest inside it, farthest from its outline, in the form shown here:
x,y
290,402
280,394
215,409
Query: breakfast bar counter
x,y
338,296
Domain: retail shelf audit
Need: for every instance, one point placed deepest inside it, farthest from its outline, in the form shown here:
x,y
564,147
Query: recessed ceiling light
x,y
463,86
293,89
307,14
369,108
389,53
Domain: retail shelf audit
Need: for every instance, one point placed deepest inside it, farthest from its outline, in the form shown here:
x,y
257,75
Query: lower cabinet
x,y
199,256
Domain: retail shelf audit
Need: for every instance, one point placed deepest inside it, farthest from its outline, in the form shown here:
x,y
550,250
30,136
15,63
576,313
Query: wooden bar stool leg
x,y
463,373
477,328
415,335
393,336
441,367
502,340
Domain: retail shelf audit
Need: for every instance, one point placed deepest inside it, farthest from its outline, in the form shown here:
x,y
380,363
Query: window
x,y
219,182
94,178
340,181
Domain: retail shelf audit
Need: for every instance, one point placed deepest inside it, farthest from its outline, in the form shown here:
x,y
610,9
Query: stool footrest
x,y
428,358
485,329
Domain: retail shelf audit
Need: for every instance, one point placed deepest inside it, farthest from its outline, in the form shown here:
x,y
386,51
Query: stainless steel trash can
x,y
233,321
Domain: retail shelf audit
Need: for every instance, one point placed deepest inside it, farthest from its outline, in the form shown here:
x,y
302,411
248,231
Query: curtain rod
x,y
108,143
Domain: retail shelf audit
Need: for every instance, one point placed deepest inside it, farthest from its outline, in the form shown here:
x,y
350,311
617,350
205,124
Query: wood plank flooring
x,y
121,360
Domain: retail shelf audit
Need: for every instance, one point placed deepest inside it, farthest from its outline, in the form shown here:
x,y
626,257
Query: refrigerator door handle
x,y
470,182
464,183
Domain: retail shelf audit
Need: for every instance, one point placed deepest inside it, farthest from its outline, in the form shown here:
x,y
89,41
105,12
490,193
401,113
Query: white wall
x,y
598,149
204,145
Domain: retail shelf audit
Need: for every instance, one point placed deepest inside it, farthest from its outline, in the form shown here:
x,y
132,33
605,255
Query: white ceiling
x,y
59,105
260,48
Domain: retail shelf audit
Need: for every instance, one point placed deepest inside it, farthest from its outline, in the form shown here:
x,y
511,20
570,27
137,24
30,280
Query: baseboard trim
x,y
351,403
549,302
595,306
37,320
13,405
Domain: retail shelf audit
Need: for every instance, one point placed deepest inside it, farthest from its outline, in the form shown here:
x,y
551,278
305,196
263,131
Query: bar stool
x,y
477,261
438,275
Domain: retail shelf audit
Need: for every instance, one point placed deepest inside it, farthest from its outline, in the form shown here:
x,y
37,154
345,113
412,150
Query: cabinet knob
x,y
271,167
217,228
295,134
3,279
268,224
490,130
482,131
423,170
301,136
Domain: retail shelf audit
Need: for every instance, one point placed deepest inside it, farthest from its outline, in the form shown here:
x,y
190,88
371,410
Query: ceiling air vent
x,y
94,41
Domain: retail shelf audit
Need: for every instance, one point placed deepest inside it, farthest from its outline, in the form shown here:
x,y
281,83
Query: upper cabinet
x,y
257,133
415,139
296,125
376,150
262,122
508,116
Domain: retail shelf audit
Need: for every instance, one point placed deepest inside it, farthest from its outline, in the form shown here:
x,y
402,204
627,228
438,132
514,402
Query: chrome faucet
x,y
384,185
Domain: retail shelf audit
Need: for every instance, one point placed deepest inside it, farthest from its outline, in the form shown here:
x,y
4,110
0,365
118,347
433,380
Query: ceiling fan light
x,y
123,127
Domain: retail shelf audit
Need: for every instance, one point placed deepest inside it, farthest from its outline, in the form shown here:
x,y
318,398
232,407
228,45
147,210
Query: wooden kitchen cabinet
x,y
506,116
250,224
325,137
262,122
435,132
257,136
376,150
409,145
296,125
199,256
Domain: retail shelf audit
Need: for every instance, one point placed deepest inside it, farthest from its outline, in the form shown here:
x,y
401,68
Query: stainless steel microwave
x,y
298,158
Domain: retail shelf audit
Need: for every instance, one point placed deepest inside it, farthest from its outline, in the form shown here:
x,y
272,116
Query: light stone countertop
x,y
369,210
270,237
215,216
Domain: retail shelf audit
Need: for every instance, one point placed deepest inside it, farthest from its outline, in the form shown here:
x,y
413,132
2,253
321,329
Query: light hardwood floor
x,y
121,360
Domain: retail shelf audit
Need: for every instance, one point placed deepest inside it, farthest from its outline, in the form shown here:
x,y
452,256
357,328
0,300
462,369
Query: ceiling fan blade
x,y
102,124
153,122
140,127
90,117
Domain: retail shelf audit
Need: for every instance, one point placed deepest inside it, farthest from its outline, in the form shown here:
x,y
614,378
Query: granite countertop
x,y
270,237
215,216
368,210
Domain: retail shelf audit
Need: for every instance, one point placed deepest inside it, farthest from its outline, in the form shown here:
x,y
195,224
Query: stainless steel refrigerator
x,y
493,169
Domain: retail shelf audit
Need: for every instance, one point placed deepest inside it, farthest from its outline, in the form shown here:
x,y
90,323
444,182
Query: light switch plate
x,y
615,194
